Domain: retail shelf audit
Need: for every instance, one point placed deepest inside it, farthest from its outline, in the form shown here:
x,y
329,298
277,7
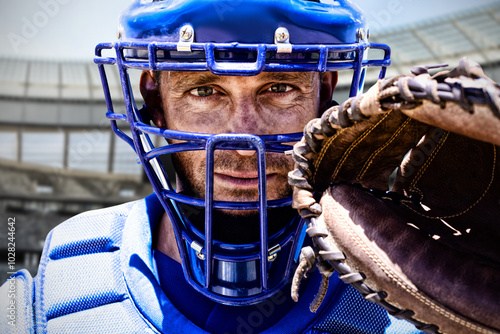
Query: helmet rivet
x,y
281,35
186,33
361,34
273,252
198,249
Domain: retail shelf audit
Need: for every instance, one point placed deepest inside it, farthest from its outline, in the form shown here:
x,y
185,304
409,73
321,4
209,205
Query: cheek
x,y
293,116
190,169
191,162
196,117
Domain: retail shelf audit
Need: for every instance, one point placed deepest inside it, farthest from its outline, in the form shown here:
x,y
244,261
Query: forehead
x,y
180,79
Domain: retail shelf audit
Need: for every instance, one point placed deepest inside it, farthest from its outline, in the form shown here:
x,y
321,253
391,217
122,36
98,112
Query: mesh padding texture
x,y
355,315
80,268
17,318
90,232
82,282
112,318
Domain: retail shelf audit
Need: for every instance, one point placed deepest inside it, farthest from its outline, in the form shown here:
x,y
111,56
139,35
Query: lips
x,y
240,179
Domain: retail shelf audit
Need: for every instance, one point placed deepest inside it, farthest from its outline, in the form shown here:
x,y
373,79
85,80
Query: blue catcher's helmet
x,y
243,38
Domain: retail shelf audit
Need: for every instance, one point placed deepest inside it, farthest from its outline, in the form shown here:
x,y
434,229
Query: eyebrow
x,y
286,76
181,81
185,80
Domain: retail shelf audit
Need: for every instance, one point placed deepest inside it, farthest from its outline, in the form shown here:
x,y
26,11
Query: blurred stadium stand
x,y
58,156
473,33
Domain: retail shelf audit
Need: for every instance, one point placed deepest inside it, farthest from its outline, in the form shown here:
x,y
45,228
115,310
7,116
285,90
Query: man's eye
x,y
280,88
202,91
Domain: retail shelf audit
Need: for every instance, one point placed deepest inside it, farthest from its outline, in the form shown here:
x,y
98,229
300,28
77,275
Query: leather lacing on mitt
x,y
427,250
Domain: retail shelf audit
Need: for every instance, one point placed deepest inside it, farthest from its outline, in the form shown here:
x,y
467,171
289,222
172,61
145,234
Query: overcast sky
x,y
70,29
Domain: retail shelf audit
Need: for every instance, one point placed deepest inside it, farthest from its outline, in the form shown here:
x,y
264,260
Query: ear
x,y
328,83
151,94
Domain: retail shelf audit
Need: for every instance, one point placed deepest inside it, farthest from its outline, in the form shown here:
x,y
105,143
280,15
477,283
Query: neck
x,y
166,242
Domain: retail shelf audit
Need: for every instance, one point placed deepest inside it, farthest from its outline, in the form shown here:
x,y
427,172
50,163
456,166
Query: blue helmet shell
x,y
230,38
253,21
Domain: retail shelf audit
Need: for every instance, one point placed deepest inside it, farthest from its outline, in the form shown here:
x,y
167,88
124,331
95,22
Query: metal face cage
x,y
228,273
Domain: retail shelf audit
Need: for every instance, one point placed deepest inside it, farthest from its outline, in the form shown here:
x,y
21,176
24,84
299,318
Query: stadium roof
x,y
54,80
442,40
475,34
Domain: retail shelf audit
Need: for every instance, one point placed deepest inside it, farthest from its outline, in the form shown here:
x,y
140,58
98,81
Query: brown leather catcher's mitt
x,y
400,188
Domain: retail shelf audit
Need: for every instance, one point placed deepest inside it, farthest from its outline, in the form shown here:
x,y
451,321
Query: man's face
x,y
269,103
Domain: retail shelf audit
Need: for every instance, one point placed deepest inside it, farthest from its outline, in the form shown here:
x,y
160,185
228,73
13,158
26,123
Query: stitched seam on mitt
x,y
422,170
316,162
380,149
354,144
474,204
395,278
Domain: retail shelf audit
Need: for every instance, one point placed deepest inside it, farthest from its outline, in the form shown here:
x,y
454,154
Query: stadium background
x,y
57,154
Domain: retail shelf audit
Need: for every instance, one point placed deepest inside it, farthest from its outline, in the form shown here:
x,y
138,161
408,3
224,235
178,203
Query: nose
x,y
246,153
246,117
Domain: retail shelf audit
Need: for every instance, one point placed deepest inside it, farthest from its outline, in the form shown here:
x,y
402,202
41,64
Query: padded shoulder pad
x,y
16,304
89,232
79,285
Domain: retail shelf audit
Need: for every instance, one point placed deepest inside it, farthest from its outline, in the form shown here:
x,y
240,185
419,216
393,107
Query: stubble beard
x,y
193,183
236,226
